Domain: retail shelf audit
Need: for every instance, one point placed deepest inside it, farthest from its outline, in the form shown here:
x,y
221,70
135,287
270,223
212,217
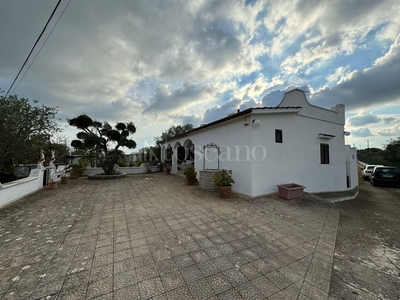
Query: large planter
x,y
64,179
290,191
191,180
224,191
52,185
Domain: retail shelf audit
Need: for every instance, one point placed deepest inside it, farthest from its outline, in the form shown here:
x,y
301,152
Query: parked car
x,y
366,172
385,175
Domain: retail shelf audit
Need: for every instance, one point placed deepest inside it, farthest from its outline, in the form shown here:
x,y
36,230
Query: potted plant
x,y
66,174
79,168
53,181
190,173
168,170
223,179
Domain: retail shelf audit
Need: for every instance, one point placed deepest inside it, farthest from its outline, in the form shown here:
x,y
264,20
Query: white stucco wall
x,y
296,160
351,166
233,139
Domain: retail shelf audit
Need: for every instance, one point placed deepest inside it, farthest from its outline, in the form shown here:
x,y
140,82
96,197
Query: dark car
x,y
385,175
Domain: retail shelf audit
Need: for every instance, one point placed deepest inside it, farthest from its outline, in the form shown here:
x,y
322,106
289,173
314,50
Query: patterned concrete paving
x,y
154,237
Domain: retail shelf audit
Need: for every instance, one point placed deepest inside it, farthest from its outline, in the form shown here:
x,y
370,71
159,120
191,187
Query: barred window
x,y
324,149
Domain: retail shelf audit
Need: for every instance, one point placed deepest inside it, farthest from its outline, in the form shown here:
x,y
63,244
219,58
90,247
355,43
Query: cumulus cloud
x,y
362,132
362,119
218,112
394,131
165,62
256,88
389,120
377,84
324,29
165,99
339,73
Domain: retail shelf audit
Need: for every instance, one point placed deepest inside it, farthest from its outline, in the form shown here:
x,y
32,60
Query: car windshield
x,y
387,170
370,167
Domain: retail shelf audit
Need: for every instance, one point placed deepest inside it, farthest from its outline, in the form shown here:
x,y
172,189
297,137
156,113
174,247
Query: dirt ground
x,y
367,253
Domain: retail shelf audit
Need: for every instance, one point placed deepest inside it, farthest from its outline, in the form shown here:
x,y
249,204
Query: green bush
x,y
190,171
121,164
223,178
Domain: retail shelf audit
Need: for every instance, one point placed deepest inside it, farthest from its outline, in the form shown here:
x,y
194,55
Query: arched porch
x,y
178,155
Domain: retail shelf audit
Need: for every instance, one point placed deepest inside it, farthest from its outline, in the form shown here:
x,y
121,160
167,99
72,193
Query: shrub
x,y
190,171
223,178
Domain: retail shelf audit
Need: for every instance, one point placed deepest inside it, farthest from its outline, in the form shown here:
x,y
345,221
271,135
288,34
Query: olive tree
x,y
103,138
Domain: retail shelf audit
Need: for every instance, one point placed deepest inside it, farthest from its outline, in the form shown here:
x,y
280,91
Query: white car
x,y
366,172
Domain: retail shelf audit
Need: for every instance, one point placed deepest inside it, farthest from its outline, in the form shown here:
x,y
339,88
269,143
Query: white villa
x,y
294,142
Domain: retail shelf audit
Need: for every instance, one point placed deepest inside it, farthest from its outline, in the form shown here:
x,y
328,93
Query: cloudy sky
x,y
160,63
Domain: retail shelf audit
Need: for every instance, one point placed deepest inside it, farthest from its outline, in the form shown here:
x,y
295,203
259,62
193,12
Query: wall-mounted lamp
x,y
256,123
346,133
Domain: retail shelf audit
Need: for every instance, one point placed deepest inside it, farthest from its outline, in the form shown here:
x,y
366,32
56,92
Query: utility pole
x,y
367,144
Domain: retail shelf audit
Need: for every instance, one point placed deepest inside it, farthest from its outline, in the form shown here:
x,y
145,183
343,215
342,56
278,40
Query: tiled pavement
x,y
152,236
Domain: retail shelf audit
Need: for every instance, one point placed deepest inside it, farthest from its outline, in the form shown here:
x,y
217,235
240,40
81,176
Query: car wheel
x,y
373,182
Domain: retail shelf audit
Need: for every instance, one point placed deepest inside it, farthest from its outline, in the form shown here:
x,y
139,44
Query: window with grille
x,y
324,149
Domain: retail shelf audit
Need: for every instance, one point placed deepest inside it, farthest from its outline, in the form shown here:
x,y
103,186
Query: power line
x,y
22,77
26,60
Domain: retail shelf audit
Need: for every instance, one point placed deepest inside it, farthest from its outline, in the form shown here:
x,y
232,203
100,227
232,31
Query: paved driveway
x,y
367,255
152,236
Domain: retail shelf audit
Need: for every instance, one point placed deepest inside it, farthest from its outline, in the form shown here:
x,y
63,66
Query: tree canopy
x,y
173,131
390,155
392,150
105,140
25,129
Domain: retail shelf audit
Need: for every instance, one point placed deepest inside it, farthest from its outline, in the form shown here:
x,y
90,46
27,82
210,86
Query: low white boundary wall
x,y
128,170
14,190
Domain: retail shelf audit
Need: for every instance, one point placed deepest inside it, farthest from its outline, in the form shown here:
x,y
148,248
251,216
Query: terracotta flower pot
x,y
290,191
64,179
52,185
224,191
191,180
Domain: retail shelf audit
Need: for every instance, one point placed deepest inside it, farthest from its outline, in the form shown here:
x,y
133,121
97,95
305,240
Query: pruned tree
x,y
105,140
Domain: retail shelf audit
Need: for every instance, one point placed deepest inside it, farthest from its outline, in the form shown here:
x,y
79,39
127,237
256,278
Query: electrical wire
x,y
22,77
26,60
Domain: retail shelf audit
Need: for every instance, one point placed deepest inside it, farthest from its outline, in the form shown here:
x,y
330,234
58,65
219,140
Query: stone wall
x,y
206,181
